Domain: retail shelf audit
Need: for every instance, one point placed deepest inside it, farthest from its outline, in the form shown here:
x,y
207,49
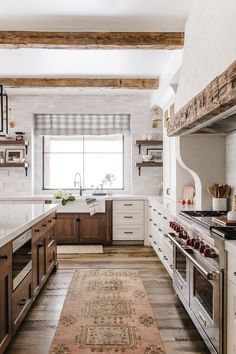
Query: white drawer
x,y
129,234
232,268
231,312
231,342
128,218
128,205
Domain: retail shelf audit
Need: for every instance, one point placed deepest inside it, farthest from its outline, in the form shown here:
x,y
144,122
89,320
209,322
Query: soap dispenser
x,y
232,214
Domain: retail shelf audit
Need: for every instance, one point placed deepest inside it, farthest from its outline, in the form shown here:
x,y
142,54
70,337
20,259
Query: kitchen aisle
x,y
176,328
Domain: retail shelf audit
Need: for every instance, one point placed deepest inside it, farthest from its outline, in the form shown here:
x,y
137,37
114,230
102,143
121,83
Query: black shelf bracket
x,y
139,171
139,149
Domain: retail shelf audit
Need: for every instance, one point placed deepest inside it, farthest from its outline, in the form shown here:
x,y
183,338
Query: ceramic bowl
x,y
147,157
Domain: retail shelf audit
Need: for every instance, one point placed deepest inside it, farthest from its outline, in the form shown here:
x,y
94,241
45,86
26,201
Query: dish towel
x,y
92,205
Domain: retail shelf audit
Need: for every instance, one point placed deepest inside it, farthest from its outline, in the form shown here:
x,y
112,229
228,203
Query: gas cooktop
x,y
204,218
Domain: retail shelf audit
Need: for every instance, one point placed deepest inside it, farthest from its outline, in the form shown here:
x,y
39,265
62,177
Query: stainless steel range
x,y
198,272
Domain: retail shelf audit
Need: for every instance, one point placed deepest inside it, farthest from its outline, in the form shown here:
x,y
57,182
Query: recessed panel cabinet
x,y
83,228
5,295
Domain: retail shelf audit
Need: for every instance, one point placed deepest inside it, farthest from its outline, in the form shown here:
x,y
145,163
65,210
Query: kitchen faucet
x,y
78,182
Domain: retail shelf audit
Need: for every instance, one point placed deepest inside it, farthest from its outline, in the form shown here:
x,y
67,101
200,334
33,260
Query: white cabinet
x,y
158,226
128,220
231,304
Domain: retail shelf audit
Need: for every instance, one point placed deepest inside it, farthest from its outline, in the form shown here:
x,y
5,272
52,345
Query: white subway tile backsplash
x,y
23,108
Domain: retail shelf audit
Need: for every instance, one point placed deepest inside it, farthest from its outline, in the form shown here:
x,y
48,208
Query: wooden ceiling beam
x,y
131,83
91,40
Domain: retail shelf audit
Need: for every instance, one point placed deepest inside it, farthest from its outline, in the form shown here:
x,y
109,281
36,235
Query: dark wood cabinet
x,y
43,252
67,228
21,301
5,295
82,228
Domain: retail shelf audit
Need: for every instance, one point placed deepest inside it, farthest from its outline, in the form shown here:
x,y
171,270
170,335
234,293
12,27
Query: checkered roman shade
x,y
81,124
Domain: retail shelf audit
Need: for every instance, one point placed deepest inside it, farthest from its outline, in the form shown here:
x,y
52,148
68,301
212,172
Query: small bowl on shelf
x,y
147,158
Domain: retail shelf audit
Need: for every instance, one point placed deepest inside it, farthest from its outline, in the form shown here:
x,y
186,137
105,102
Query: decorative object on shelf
x,y
156,154
64,196
147,143
149,137
220,193
144,137
156,117
19,136
2,156
3,112
232,214
15,155
147,157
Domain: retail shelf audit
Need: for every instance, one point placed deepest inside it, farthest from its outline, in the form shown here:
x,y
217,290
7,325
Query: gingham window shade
x,y
81,124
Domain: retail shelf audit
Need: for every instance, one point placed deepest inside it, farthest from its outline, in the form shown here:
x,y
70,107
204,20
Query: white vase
x,y
219,204
149,137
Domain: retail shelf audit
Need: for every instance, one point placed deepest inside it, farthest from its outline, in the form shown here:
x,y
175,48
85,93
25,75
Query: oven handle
x,y
210,275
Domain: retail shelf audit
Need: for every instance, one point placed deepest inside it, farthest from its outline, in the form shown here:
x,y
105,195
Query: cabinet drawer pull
x,y
4,257
159,213
22,302
36,230
235,274
155,242
150,219
202,319
154,210
128,217
165,258
50,237
164,217
159,249
40,245
49,221
44,225
150,236
171,266
128,204
128,232
154,224
160,230
149,206
180,284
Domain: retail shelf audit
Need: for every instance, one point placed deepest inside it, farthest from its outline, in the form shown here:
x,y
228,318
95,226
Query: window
x,y
96,158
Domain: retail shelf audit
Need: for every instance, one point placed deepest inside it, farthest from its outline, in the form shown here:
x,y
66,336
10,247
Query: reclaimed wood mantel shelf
x,y
147,164
216,98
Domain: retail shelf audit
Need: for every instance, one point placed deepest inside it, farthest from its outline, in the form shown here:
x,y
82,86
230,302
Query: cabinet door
x,y
67,228
92,228
39,263
5,295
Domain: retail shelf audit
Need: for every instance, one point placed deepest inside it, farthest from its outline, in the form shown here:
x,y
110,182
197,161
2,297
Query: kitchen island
x,y
27,257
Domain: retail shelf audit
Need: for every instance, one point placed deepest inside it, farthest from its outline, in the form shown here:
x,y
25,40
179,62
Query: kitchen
x,y
77,104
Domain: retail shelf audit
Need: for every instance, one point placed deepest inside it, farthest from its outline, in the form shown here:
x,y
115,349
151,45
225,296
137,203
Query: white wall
x,y
23,107
210,46
231,162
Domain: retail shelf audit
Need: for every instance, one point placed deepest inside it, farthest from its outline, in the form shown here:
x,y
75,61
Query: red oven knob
x,y
188,241
197,244
213,253
192,241
207,251
202,247
183,234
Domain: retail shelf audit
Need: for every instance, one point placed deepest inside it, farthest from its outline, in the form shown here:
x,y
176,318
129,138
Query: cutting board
x,y
222,220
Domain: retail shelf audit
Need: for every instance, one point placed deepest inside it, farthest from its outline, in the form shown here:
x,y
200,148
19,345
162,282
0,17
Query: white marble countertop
x,y
17,218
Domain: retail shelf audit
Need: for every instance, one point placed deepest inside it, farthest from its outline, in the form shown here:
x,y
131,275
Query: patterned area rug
x,y
106,311
75,249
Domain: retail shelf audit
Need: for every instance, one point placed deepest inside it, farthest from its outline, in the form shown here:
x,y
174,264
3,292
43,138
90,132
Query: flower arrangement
x,y
108,179
64,196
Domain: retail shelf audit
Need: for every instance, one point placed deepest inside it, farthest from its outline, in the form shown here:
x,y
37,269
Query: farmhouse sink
x,y
80,205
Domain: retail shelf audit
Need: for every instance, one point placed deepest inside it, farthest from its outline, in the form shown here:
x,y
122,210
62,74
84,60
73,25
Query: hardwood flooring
x,y
177,330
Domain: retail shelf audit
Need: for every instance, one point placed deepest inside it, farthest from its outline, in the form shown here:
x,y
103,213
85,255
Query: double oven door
x,y
200,287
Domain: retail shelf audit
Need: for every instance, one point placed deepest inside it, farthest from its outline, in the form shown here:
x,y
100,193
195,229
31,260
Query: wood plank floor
x,y
177,330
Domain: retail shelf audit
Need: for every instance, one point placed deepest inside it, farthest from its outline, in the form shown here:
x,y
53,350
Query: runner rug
x,y
106,311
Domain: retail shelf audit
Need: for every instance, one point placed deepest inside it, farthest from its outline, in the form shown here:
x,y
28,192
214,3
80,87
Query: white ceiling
x,y
89,15
94,15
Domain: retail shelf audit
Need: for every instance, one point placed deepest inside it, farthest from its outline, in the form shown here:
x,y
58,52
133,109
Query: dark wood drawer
x,y
51,255
43,226
50,236
5,256
21,301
